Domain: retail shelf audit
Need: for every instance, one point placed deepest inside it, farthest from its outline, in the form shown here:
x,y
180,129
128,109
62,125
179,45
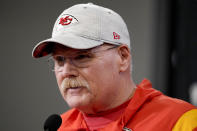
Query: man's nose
x,y
69,70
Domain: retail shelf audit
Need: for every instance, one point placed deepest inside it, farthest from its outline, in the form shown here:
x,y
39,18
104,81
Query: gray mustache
x,y
74,82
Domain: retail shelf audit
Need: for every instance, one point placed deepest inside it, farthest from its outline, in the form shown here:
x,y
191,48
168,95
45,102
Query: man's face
x,y
93,86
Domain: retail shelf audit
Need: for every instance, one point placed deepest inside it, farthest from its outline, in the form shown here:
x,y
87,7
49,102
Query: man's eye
x,y
59,60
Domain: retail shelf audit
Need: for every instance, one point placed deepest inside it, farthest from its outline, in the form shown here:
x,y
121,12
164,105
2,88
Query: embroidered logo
x,y
116,36
65,20
126,129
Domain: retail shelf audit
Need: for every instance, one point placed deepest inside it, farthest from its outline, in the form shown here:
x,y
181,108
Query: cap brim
x,y
76,42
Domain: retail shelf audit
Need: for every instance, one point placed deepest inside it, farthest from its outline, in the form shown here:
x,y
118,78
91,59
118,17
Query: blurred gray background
x,y
29,93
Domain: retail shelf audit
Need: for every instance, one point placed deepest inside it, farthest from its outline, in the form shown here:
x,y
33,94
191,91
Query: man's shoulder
x,y
173,103
168,107
151,108
188,121
150,96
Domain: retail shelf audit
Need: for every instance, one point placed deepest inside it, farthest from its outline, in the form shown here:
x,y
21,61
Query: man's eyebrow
x,y
84,51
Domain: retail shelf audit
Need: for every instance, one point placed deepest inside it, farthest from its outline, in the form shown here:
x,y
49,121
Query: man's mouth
x,y
77,87
74,90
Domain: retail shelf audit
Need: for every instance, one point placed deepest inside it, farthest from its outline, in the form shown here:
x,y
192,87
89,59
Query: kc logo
x,y
116,36
66,20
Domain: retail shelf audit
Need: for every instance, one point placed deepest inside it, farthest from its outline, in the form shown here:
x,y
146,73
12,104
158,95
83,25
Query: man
x,y
90,55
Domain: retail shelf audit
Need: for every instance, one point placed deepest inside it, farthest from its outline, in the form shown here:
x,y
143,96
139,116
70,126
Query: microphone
x,y
52,123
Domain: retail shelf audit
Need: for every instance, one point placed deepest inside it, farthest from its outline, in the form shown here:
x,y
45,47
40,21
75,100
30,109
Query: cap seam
x,y
103,40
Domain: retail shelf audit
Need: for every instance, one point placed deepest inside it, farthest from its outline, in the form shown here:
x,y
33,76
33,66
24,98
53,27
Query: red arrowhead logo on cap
x,y
116,36
65,21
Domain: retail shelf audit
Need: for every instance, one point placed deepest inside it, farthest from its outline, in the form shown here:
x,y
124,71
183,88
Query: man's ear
x,y
125,56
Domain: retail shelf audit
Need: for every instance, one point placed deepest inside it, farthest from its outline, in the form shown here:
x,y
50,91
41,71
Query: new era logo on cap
x,y
116,36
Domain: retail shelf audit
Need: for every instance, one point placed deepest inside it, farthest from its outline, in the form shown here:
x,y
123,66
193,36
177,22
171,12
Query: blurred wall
x,y
29,92
182,45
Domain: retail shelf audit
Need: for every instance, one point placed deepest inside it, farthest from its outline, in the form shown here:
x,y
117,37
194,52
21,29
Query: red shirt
x,y
100,120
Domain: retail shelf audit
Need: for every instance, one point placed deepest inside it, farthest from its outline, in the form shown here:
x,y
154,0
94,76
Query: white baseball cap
x,y
84,26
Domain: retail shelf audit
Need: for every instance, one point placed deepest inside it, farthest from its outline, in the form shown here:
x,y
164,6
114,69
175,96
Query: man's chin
x,y
76,101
